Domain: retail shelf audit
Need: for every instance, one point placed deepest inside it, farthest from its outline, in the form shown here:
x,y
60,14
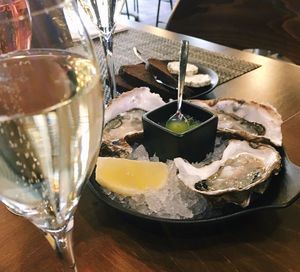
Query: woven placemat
x,y
153,46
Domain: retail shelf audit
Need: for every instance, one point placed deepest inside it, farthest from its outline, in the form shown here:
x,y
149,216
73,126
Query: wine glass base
x,y
13,211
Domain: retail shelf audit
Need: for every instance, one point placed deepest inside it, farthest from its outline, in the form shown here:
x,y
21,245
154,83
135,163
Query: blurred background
x,y
265,27
150,12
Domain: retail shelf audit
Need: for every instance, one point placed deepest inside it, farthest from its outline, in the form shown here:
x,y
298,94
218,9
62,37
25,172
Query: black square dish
x,y
192,145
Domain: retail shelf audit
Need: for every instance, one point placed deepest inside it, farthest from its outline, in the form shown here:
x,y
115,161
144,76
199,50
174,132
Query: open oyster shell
x,y
248,120
123,120
242,167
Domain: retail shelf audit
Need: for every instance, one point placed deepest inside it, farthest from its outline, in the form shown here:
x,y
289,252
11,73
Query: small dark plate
x,y
283,190
197,92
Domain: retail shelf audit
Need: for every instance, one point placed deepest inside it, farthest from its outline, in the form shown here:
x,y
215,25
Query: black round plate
x,y
283,190
206,89
201,91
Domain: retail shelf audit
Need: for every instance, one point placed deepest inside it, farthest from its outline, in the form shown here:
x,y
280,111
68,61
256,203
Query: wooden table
x,y
106,240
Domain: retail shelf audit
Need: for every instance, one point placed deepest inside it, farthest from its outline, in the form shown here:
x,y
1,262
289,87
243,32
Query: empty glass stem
x,y
104,19
107,42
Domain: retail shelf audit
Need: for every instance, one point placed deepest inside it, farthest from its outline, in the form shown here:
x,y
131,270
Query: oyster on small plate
x,y
123,120
248,120
241,169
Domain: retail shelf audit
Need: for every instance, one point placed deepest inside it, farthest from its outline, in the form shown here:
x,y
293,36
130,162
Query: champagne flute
x,y
51,118
104,13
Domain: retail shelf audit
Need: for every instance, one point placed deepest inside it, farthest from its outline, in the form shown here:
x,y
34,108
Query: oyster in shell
x,y
248,120
123,120
242,167
124,124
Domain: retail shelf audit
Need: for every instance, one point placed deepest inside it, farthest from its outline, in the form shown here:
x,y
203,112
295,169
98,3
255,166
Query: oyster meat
x,y
248,120
123,120
243,166
126,123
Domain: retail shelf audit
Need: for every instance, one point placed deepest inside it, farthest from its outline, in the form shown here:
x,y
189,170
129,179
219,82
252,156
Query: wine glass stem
x,y
62,243
108,51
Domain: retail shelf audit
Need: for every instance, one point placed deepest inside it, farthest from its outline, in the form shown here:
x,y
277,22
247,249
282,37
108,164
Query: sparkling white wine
x,y
15,25
51,116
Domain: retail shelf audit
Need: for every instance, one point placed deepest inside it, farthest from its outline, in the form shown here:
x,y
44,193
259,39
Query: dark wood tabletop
x,y
106,240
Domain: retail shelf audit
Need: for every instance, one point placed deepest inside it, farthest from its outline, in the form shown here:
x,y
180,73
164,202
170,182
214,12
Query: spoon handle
x,y
184,52
138,54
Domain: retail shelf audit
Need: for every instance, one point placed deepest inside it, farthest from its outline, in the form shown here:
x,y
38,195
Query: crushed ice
x,y
174,200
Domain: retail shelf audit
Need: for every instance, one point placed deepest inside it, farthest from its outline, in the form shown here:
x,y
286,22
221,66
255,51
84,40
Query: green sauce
x,y
182,126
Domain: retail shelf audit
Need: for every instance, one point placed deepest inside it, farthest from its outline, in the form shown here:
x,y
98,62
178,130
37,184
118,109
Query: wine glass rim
x,y
42,10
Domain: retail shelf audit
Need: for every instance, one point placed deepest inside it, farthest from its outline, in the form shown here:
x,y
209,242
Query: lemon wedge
x,y
130,177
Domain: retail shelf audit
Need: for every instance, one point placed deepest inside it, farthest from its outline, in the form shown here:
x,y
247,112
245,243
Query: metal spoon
x,y
178,122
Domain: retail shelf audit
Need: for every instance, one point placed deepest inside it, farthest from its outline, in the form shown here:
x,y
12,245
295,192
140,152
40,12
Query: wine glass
x,y
51,118
103,13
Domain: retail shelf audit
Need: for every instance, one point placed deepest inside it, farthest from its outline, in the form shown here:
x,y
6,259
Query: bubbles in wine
x,y
47,144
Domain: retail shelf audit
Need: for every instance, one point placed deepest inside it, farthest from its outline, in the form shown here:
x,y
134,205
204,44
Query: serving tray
x,y
282,191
